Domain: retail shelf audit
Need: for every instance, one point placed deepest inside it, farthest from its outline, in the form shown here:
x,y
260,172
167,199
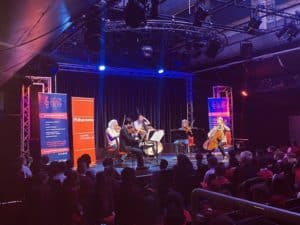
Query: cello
x,y
212,142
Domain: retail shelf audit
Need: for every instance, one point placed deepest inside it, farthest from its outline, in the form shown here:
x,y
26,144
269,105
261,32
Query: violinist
x,y
185,126
112,133
129,144
221,128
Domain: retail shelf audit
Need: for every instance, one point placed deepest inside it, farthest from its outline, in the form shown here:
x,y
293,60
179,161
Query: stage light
x,y
101,67
200,15
244,93
253,24
160,71
288,32
213,48
134,13
147,51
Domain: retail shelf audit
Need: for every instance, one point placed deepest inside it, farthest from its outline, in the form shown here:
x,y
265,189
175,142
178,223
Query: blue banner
x,y
218,107
54,133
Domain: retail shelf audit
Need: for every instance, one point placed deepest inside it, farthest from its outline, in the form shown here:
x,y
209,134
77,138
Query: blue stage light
x,y
101,67
160,71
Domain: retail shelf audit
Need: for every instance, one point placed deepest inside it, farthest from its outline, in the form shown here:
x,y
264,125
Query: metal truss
x,y
46,83
121,71
189,100
171,25
226,91
25,122
268,11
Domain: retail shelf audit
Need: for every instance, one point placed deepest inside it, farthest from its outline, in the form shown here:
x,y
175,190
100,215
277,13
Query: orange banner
x,y
83,128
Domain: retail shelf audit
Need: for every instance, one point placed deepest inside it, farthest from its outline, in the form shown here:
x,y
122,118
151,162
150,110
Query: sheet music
x,y
157,135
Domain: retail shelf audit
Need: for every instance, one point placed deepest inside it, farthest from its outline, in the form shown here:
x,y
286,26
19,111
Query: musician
x,y
129,143
185,126
221,126
141,123
112,133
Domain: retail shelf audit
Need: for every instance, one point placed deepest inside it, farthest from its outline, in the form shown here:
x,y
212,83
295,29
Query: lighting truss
x,y
267,11
46,83
226,91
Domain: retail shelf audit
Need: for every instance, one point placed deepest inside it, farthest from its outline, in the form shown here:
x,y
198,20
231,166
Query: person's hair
x,y
280,185
44,159
69,164
246,157
128,175
107,162
174,209
163,164
87,159
212,162
127,121
150,212
111,123
61,167
183,162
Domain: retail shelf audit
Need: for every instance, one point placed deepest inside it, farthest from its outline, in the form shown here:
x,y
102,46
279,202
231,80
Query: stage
x,y
153,163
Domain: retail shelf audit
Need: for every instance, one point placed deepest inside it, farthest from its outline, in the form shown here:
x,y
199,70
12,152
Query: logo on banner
x,y
218,107
83,128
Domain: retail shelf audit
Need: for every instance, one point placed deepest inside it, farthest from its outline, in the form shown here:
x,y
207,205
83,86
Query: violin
x,y
131,129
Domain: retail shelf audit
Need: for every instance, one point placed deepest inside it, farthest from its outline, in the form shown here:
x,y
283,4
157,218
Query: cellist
x,y
222,128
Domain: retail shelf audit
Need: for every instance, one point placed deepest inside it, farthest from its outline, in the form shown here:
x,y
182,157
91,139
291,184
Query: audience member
x,y
246,169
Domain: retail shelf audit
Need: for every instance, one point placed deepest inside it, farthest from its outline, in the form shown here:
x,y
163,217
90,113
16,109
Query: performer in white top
x,y
112,133
141,123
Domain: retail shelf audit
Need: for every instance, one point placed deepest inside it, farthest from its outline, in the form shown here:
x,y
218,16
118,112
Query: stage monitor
x,y
83,128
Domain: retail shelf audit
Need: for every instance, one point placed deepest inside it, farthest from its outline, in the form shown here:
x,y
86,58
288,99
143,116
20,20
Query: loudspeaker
x,y
246,49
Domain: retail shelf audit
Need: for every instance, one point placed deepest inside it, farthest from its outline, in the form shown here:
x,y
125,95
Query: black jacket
x,y
126,140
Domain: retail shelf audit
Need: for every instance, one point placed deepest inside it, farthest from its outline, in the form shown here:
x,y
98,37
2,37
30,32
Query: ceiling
x,y
35,29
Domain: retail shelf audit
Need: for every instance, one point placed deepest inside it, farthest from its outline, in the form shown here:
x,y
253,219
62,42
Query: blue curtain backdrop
x,y
161,100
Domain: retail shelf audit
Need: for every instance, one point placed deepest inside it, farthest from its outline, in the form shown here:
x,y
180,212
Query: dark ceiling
x,y
32,30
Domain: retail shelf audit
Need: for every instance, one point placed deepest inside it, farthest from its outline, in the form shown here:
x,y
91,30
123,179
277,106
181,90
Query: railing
x,y
270,212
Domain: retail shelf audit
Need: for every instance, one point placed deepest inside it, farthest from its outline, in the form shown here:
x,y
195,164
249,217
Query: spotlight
x,y
288,32
147,51
213,48
253,24
244,93
160,71
101,67
134,13
200,15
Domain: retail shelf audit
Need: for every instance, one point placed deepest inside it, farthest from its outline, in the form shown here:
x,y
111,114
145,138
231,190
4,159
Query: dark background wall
x,y
262,117
161,100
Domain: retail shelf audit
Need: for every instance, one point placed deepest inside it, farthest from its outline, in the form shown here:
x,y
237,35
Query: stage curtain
x,y
161,100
